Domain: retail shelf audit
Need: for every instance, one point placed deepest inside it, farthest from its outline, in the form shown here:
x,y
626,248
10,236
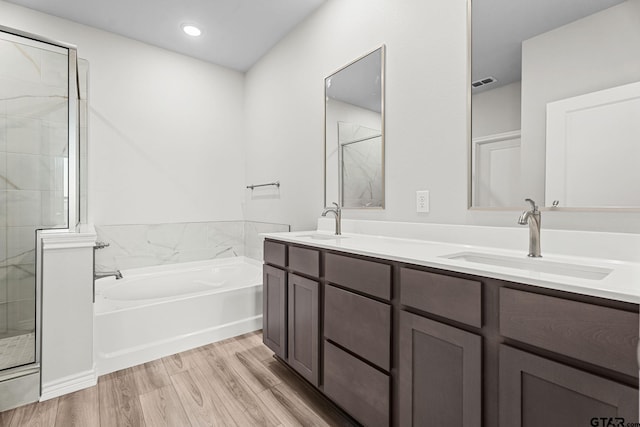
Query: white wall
x,y
496,110
575,59
426,116
165,130
425,108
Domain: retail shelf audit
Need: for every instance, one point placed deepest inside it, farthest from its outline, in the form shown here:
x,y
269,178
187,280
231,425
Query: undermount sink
x,y
324,236
539,265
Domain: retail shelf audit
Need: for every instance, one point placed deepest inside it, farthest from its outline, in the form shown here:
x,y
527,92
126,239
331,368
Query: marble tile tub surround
x,y
144,245
253,247
590,244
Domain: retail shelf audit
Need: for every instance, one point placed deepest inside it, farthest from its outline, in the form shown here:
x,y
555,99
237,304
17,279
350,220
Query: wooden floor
x,y
235,382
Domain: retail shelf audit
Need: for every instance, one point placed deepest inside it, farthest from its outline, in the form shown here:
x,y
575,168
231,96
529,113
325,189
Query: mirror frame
x,y
382,49
542,207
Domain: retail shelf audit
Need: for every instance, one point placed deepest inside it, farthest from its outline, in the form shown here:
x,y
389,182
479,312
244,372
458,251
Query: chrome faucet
x,y
101,274
532,217
337,213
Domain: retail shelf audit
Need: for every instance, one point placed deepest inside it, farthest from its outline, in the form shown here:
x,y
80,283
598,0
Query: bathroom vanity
x,y
395,333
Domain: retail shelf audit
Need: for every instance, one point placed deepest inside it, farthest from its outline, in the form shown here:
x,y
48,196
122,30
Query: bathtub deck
x,y
232,382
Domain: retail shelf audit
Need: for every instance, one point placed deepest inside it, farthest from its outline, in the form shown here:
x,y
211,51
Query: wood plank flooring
x,y
235,382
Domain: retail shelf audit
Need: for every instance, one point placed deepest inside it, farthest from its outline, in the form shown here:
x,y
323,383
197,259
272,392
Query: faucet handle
x,y
101,245
336,205
534,207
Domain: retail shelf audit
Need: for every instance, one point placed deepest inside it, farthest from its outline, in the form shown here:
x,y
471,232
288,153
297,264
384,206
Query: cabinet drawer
x,y
369,277
358,388
275,253
599,335
305,261
359,324
451,297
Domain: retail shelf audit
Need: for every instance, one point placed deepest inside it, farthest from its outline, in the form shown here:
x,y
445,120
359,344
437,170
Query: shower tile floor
x,y
17,350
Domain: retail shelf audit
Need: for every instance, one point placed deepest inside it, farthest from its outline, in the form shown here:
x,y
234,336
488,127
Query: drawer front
x,y
275,253
358,388
359,324
451,297
305,261
599,335
369,277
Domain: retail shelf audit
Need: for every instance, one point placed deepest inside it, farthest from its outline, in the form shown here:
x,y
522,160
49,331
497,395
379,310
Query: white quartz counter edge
x,y
622,284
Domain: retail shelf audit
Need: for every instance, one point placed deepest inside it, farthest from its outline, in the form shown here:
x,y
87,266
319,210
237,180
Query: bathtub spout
x,y
100,274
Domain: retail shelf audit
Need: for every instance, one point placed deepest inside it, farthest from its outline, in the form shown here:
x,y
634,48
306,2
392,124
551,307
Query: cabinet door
x,y
440,374
274,314
303,327
535,391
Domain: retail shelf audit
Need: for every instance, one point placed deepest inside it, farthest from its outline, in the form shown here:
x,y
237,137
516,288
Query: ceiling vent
x,y
483,82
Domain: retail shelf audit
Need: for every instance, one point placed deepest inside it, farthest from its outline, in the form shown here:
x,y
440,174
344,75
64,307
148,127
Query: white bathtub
x,y
157,311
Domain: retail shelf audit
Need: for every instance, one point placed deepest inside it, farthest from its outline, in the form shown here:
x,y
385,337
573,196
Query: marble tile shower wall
x,y
133,246
33,154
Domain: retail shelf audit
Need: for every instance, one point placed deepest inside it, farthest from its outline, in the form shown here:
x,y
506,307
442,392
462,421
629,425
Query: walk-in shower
x,y
38,190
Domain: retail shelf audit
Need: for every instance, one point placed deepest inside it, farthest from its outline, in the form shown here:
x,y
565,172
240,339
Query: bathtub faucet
x,y
101,274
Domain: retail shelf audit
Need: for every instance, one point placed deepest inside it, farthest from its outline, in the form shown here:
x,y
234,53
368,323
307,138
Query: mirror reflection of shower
x,y
38,172
361,160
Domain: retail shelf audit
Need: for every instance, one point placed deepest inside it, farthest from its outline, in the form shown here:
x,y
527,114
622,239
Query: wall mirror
x,y
555,99
354,133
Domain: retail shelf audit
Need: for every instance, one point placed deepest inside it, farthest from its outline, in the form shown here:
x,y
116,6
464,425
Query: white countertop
x,y
622,284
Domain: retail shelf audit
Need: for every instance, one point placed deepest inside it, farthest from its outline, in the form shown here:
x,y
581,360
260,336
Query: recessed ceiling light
x,y
191,30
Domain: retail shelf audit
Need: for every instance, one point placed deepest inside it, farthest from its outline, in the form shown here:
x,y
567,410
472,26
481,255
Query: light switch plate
x,y
422,201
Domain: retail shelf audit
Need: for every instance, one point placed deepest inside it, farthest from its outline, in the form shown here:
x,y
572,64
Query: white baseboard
x,y
69,384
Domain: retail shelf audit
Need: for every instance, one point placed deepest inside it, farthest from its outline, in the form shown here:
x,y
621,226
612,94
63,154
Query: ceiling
x,y
500,26
360,83
235,33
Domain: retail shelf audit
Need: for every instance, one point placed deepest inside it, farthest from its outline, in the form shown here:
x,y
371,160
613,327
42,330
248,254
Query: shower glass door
x,y
34,176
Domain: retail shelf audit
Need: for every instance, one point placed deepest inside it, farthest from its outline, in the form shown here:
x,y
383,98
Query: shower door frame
x,y
26,376
73,183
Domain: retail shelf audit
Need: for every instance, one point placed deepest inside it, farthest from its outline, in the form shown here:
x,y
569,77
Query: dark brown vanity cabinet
x,y
291,306
274,303
356,386
440,374
357,337
440,366
535,391
303,341
405,345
